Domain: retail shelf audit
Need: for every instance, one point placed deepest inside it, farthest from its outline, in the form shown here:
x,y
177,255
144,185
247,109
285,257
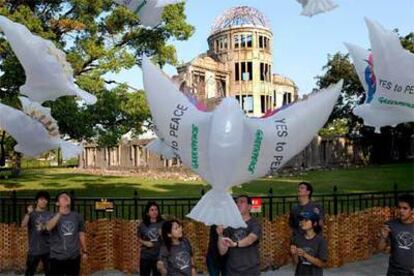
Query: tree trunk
x,y
59,157
2,150
17,164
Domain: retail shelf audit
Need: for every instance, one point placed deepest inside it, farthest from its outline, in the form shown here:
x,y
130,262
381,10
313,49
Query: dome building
x,y
238,63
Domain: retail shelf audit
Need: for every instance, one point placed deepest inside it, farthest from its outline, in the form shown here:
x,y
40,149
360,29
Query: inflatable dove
x,y
149,11
35,130
48,74
387,75
225,147
313,7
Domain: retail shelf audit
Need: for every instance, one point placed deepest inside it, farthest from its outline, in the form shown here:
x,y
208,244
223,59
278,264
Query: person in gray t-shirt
x,y
305,205
309,250
242,244
149,234
400,234
35,220
67,239
176,255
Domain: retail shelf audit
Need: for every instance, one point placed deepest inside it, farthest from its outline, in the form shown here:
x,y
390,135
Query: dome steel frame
x,y
239,17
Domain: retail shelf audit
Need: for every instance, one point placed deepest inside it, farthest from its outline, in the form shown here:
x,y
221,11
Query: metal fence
x,y
13,207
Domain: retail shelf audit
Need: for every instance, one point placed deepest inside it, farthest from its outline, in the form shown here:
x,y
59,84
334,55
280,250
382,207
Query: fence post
x,y
395,194
335,200
136,204
73,197
14,204
271,204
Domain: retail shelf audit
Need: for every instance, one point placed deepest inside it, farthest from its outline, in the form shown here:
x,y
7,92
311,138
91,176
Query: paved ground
x,y
376,265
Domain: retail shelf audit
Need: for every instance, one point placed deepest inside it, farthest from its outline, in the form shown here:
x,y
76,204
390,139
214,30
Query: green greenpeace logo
x,y
384,100
194,147
256,150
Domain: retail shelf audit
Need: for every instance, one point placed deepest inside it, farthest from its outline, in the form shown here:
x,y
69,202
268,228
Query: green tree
x,y
98,37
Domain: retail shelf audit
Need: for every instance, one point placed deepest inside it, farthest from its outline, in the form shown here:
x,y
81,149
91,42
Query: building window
x,y
264,42
236,41
246,72
249,39
287,98
246,103
243,41
221,43
221,88
265,72
250,70
262,76
199,84
262,104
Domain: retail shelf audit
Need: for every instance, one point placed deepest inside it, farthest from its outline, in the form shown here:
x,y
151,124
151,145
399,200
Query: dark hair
x,y
166,229
43,194
317,228
407,198
63,193
308,187
146,218
249,199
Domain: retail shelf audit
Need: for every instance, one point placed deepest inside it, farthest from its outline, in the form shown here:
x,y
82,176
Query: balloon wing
x,y
31,134
48,74
277,139
178,122
313,7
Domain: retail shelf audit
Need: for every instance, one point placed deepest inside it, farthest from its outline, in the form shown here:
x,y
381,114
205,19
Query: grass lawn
x,y
373,178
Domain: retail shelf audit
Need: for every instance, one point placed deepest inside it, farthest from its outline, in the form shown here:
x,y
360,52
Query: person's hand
x,y
301,252
229,242
30,209
293,250
149,244
224,242
385,231
220,230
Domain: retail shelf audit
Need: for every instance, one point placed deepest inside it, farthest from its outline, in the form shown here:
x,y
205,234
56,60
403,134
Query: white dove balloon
x,y
149,11
48,74
225,147
387,74
313,7
35,130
